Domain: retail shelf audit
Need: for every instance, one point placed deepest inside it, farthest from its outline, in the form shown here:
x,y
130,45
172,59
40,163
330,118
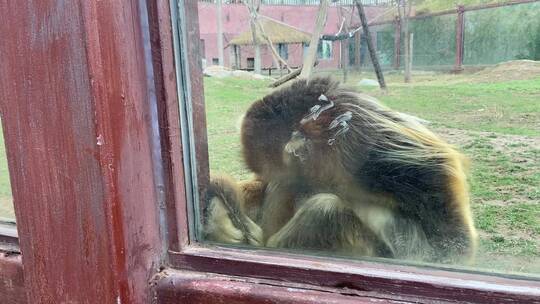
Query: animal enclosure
x,y
492,116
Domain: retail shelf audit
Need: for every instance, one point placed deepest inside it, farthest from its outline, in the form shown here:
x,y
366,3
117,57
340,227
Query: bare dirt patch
x,y
510,70
501,142
456,137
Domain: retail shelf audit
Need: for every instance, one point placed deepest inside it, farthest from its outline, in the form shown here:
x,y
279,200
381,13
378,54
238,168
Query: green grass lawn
x,y
226,100
497,125
6,203
507,107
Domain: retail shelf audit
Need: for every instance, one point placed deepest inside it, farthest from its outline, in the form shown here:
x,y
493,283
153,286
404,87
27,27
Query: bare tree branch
x,y
275,53
371,47
253,7
309,60
254,15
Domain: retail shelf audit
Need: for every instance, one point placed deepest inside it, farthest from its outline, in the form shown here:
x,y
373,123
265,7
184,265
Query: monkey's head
x,y
309,126
306,126
274,121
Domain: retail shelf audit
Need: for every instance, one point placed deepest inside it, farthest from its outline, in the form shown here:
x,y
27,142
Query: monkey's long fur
x,y
336,170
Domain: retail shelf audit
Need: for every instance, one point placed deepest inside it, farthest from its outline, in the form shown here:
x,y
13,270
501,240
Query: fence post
x,y
397,42
460,29
357,50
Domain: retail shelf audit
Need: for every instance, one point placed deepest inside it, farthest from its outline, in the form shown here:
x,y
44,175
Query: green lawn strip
x,y
511,107
6,203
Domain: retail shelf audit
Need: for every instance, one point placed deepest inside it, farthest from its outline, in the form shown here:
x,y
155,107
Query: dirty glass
x,y
440,169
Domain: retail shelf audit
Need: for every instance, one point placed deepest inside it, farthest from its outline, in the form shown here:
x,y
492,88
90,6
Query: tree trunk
x,y
275,54
371,47
220,33
256,47
286,78
409,57
397,42
309,60
253,7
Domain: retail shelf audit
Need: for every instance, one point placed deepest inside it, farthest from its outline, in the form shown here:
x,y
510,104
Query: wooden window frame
x,y
103,169
9,238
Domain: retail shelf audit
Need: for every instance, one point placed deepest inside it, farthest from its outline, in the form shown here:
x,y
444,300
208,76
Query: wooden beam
x,y
286,78
77,82
371,47
397,42
460,35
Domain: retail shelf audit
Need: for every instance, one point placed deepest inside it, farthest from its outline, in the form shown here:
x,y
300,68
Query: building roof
x,y
277,31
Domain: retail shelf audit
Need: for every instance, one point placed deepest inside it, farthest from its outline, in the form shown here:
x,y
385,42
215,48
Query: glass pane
x,y
441,170
6,201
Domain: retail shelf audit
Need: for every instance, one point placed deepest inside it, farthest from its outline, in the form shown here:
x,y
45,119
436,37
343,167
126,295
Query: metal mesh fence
x,y
434,41
384,40
501,34
491,36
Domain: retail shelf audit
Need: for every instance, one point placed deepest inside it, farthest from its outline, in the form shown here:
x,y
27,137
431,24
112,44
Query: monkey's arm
x,y
253,192
325,222
228,207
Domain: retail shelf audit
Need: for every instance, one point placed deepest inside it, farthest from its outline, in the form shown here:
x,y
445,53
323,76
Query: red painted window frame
x,y
76,97
100,188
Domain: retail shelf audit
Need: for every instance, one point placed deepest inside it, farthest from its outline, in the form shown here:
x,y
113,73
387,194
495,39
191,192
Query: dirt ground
x,y
502,142
510,70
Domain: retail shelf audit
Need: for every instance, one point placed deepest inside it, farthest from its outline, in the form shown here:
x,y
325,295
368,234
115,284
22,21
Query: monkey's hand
x,y
225,220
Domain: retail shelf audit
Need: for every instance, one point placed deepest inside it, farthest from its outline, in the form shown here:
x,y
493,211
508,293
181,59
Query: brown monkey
x,y
341,172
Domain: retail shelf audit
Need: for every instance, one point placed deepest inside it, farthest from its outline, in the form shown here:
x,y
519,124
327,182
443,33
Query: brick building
x,y
300,17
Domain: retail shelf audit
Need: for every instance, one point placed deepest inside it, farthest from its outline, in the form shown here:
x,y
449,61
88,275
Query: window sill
x,y
9,238
394,281
175,286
